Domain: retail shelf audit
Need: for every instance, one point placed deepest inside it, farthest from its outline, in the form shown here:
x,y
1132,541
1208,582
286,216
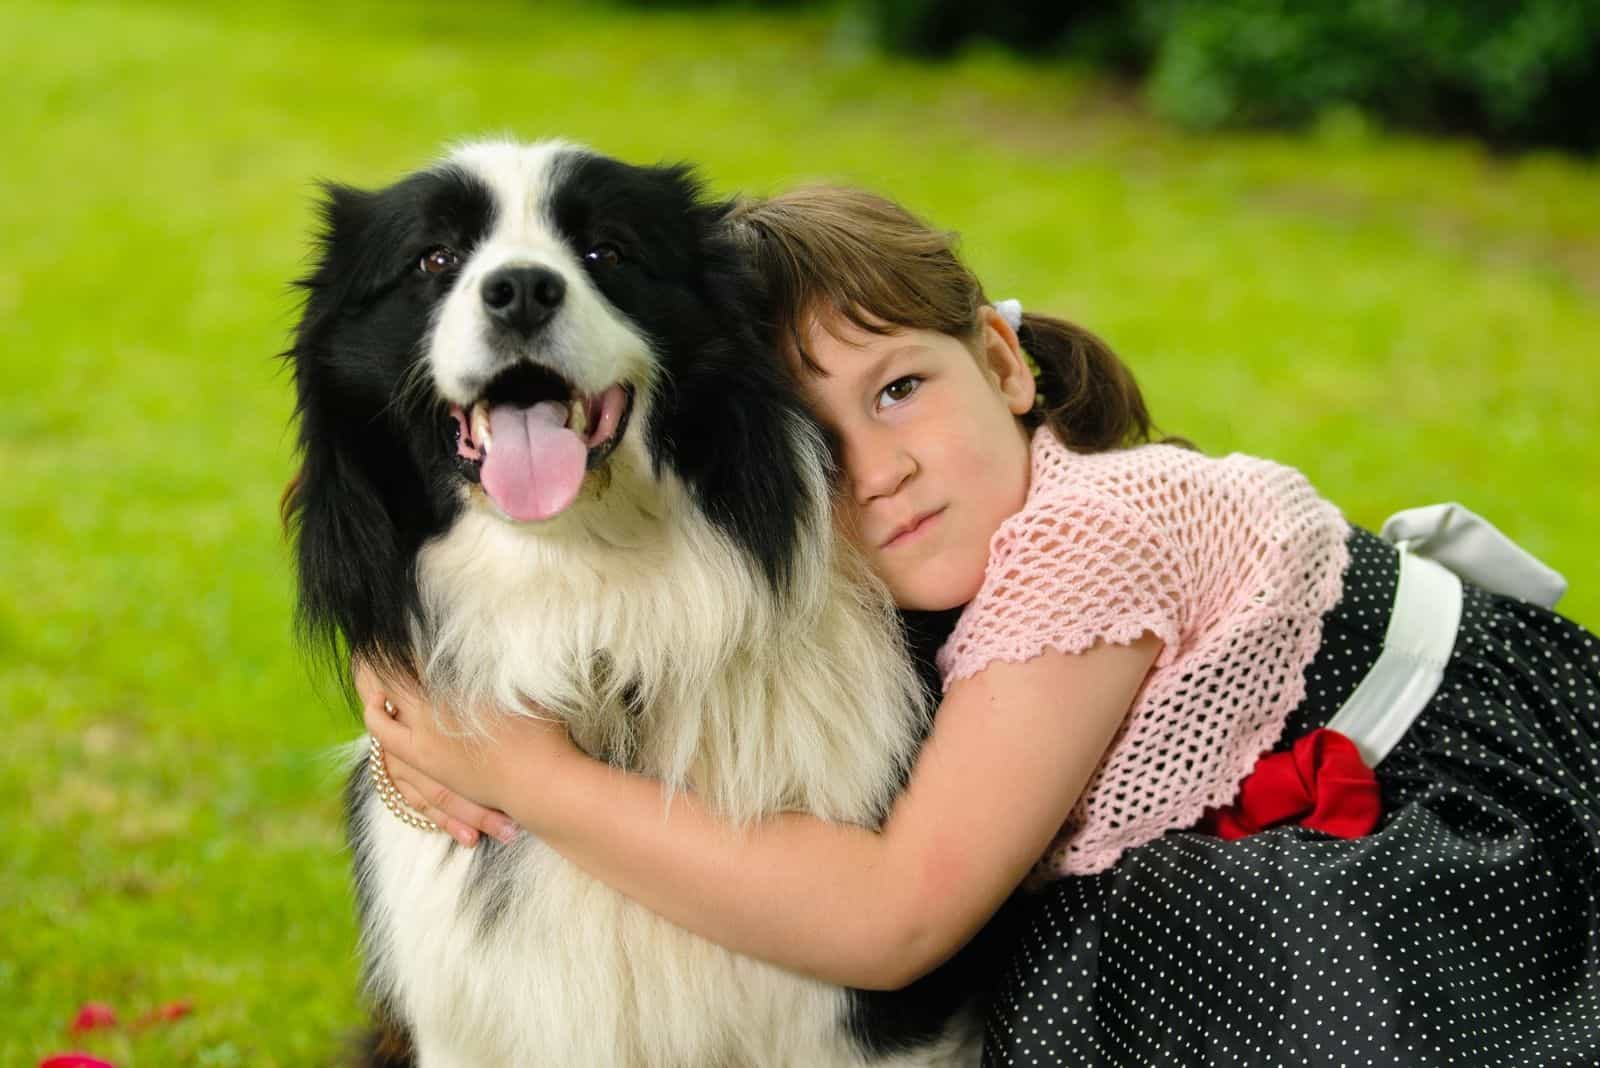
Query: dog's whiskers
x,y
415,382
411,389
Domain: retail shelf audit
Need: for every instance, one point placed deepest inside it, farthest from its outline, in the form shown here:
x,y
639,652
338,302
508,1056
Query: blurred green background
x,y
1406,320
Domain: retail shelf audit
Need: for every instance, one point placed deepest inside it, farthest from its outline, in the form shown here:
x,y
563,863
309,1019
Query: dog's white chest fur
x,y
572,973
536,963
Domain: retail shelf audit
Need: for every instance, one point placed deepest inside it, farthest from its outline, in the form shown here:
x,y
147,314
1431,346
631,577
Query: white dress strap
x,y
1416,648
1437,544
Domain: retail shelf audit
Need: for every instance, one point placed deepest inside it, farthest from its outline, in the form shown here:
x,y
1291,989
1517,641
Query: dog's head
x,y
521,329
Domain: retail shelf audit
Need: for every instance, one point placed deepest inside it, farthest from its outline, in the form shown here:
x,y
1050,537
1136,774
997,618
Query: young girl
x,y
1137,624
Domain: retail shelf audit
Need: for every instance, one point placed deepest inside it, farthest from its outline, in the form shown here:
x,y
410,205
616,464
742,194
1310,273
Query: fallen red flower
x,y
92,1017
74,1060
172,1010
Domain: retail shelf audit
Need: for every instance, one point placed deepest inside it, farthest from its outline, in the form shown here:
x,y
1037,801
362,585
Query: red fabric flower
x,y
74,1060
93,1016
1321,782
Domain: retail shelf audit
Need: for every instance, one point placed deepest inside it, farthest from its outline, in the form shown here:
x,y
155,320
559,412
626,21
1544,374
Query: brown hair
x,y
831,253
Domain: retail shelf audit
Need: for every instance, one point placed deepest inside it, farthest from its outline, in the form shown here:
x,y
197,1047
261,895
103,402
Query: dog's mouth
x,y
532,437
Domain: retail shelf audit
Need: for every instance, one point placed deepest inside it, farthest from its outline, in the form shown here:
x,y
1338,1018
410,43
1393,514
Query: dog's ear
x,y
352,547
342,268
356,591
761,463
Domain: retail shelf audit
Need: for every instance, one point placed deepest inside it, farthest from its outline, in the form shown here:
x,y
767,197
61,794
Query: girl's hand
x,y
391,712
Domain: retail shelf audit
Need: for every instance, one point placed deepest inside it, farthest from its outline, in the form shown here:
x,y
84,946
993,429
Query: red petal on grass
x,y
92,1017
172,1010
74,1060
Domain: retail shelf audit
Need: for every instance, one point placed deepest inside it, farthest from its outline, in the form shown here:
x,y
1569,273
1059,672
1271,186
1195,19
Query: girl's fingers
x,y
417,799
464,819
443,820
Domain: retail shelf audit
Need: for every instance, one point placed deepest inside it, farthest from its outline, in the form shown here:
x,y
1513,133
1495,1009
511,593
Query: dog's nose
x,y
523,298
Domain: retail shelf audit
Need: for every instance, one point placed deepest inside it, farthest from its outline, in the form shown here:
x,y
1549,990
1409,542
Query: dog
x,y
549,455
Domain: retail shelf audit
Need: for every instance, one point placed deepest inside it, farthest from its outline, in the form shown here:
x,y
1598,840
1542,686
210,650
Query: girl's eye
x,y
438,260
603,255
898,390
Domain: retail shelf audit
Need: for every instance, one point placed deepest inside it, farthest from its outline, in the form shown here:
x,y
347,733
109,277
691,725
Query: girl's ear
x,y
1004,362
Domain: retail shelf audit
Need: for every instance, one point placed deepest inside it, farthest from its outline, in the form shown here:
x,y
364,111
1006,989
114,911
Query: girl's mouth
x,y
911,531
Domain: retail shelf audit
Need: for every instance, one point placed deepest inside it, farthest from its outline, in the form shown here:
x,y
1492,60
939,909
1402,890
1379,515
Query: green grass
x,y
1405,321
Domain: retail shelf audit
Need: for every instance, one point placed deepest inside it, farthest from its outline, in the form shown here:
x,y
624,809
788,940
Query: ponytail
x,y
1086,395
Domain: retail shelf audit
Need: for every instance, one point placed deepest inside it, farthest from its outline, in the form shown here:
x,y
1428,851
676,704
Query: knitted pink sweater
x,y
1230,561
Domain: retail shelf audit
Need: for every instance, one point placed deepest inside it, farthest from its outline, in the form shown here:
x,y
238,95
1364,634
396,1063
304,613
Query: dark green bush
x,y
1514,73
689,5
940,27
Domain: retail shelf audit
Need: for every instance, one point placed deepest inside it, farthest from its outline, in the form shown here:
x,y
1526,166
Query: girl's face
x,y
935,458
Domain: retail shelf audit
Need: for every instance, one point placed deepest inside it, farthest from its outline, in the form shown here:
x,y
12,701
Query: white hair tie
x,y
1011,312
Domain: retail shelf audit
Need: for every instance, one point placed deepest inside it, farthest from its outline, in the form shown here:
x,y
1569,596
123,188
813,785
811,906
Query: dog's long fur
x,y
692,615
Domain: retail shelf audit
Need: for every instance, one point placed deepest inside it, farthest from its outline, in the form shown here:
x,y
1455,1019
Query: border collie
x,y
548,454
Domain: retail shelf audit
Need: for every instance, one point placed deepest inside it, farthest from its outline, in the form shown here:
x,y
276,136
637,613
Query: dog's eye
x,y
604,255
438,260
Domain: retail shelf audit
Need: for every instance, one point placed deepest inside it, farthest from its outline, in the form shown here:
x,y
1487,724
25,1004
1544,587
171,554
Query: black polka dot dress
x,y
1465,931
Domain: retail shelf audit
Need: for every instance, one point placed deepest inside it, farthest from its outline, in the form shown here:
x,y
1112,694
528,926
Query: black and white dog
x,y
547,454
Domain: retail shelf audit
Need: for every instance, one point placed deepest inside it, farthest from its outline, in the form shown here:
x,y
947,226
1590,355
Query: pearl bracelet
x,y
392,799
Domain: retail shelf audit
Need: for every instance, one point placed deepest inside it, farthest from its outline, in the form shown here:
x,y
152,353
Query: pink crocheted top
x,y
1230,561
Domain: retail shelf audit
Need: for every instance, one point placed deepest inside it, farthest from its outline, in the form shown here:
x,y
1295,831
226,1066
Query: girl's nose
x,y
877,468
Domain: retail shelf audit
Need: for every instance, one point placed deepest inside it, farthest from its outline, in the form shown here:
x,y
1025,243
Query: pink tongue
x,y
535,464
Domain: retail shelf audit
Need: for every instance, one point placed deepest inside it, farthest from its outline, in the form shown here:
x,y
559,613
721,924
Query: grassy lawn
x,y
1406,321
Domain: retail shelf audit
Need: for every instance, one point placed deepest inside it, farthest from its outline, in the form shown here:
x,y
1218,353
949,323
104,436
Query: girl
x,y
1137,624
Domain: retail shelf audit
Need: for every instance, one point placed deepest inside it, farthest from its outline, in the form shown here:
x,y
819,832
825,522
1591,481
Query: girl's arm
x,y
1010,751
